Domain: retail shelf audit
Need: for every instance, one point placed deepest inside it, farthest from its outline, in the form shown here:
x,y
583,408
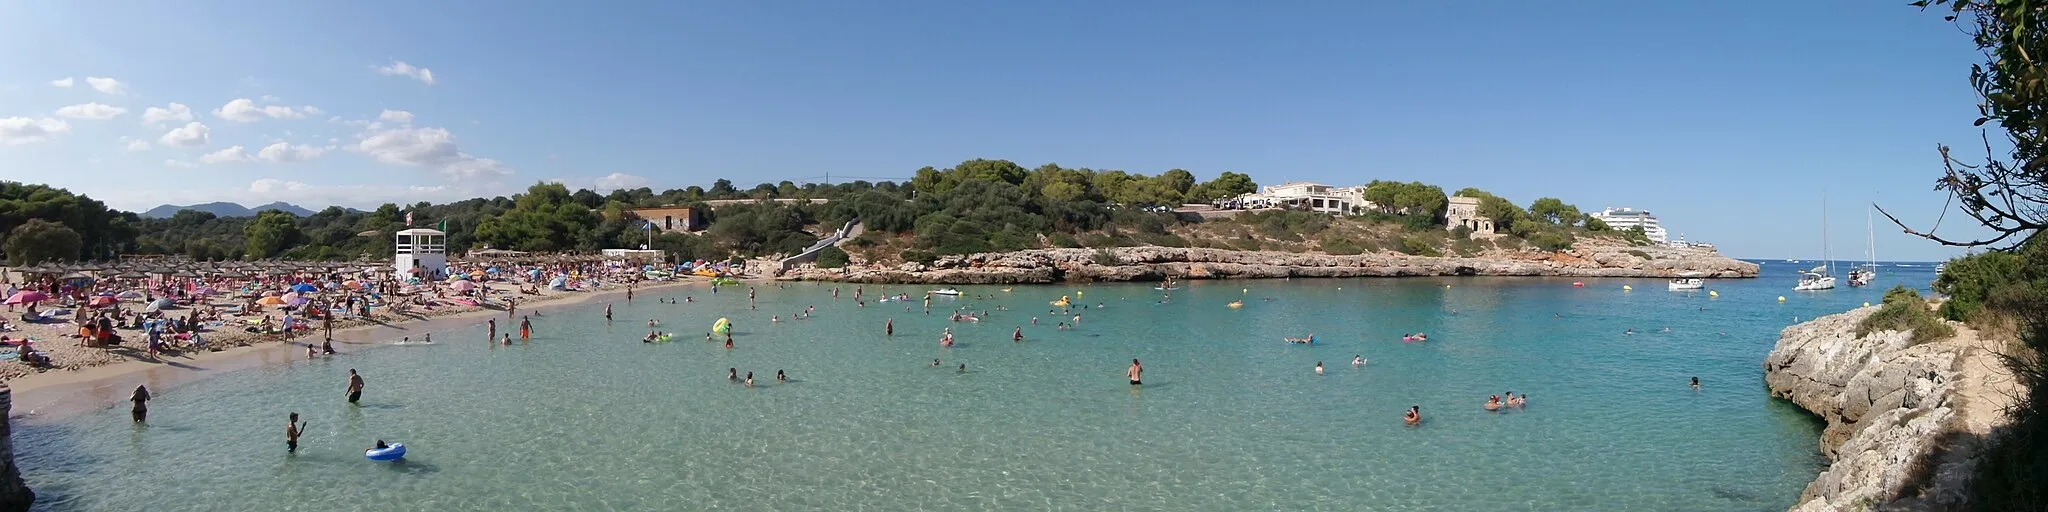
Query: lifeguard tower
x,y
424,249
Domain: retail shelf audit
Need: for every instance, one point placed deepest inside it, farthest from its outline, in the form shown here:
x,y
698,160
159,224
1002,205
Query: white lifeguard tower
x,y
425,249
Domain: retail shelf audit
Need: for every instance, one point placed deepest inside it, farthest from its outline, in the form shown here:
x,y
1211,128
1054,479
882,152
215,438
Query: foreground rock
x,y
1903,420
14,493
1157,263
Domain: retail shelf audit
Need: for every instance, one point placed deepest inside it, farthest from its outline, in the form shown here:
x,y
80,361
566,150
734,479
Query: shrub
x,y
1466,247
1639,254
1418,246
1341,246
832,257
1968,281
1245,244
1107,258
1461,233
1100,240
1551,240
1904,310
1164,240
1064,240
920,256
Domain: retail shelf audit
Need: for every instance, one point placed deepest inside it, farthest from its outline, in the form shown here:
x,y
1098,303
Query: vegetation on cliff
x,y
976,206
2009,195
1904,310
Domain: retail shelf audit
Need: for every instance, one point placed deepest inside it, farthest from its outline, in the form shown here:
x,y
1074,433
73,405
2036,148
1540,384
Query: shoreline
x,y
1126,264
55,394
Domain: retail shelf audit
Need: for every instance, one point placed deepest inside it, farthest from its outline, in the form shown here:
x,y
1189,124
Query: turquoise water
x,y
1229,417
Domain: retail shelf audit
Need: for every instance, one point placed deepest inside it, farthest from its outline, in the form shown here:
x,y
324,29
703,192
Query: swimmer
x,y
728,342
1695,383
935,363
779,376
1135,372
775,319
889,327
1493,403
963,368
1017,335
1630,332
651,322
1414,415
732,374
1520,401
1319,367
1063,326
750,379
311,352
1034,320
1357,361
405,340
508,338
428,339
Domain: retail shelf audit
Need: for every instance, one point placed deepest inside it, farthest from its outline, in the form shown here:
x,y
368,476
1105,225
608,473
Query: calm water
x,y
1229,418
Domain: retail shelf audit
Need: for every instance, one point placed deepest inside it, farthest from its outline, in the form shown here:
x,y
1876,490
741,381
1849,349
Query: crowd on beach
x,y
75,317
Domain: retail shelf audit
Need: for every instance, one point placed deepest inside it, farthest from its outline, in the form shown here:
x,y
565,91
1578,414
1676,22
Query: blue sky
x,y
1727,120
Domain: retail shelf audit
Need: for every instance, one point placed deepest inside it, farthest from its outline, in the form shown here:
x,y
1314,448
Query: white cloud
x,y
361,196
62,82
179,164
231,155
91,111
311,110
245,110
396,116
191,136
22,130
432,148
284,152
400,68
153,116
269,98
620,180
107,85
136,144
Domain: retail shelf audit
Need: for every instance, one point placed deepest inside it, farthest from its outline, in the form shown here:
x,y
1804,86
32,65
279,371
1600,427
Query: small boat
x,y
1235,304
1687,281
1310,340
946,291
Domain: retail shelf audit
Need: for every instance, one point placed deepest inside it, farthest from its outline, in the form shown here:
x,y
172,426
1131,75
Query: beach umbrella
x,y
304,288
208,290
463,286
293,299
129,295
351,284
27,296
157,305
270,301
100,301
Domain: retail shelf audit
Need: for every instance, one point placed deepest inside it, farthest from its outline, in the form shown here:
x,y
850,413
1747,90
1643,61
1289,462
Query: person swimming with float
x,y
1493,403
1311,338
1414,415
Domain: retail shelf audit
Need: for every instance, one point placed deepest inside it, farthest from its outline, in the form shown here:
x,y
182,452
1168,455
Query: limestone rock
x,y
1156,263
14,493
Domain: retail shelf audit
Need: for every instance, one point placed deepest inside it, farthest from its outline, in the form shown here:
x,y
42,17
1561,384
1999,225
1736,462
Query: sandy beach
x,y
85,378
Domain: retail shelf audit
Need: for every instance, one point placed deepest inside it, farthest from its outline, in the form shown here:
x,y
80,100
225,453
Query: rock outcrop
x,y
14,493
1156,263
1902,419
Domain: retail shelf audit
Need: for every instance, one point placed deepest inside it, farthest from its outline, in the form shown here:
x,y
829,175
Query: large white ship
x,y
1625,218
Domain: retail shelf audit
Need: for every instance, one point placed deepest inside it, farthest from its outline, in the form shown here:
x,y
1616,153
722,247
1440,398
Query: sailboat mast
x,y
1870,237
1826,246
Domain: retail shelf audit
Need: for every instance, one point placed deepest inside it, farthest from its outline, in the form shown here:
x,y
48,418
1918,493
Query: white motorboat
x,y
946,291
1687,281
1862,276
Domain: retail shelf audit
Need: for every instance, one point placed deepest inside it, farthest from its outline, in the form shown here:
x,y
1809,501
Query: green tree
x,y
1226,185
271,233
1554,211
39,240
832,257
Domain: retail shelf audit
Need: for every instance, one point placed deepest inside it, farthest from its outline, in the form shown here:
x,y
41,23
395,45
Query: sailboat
x,y
1867,272
1821,277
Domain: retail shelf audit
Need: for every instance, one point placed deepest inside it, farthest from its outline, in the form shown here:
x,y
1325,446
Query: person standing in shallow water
x,y
355,386
141,399
292,430
492,334
1695,383
525,328
889,327
607,312
1136,372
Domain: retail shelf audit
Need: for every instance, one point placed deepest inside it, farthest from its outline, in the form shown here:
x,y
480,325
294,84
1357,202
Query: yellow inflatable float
x,y
1063,302
722,326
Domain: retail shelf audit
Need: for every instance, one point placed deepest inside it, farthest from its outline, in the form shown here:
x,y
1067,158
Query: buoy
x,y
1711,293
1447,287
1866,304
1246,290
1781,298
1627,288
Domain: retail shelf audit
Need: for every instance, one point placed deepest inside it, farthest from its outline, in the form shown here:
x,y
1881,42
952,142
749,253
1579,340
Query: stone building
x,y
1464,211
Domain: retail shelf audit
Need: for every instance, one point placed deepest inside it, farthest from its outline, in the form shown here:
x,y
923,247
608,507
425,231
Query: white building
x,y
423,249
1310,196
1625,218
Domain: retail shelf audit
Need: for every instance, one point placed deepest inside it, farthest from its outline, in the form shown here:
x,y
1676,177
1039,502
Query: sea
x,y
585,416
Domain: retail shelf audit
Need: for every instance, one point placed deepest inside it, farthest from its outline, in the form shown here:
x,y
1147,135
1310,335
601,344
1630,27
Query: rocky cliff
x,y
1902,420
1156,263
14,493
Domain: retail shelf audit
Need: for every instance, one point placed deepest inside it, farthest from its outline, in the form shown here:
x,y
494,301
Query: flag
x,y
444,225
408,219
646,225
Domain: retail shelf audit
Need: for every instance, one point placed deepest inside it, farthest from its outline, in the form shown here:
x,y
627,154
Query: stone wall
x,y
1902,419
14,493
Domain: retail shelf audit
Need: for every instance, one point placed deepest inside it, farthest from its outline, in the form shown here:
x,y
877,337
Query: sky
x,y
1729,121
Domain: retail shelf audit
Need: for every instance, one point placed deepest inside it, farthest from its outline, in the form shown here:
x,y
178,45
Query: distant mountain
x,y
225,210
